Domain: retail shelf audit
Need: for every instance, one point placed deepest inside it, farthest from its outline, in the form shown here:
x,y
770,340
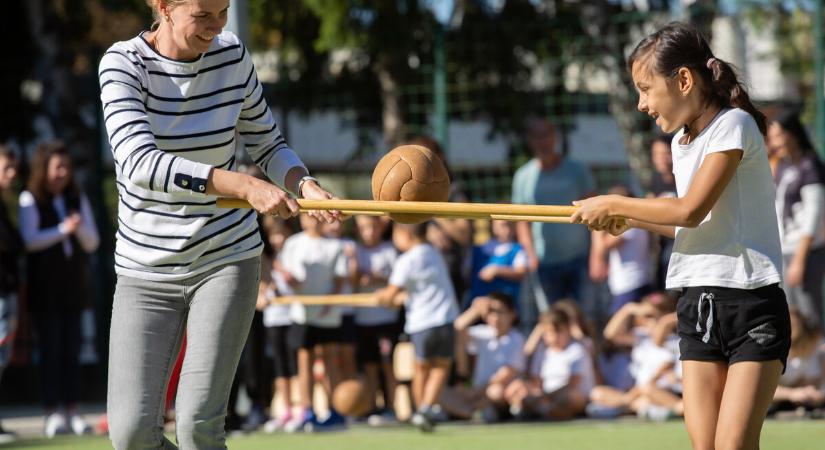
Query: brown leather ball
x,y
352,398
411,173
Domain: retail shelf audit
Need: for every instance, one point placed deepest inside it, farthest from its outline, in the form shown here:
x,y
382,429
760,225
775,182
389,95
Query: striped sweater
x,y
169,123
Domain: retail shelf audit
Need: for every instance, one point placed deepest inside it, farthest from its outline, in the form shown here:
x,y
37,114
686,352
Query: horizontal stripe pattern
x,y
167,119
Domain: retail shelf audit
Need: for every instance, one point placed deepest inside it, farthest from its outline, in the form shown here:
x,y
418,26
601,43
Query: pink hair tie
x,y
710,62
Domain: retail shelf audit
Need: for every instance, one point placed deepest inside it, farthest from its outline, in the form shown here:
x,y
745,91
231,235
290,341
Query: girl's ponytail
x,y
726,90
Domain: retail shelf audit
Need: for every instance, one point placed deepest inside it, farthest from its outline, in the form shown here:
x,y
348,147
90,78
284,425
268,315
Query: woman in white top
x,y
177,101
58,228
733,317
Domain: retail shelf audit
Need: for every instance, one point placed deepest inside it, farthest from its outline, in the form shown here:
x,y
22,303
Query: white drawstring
x,y
709,297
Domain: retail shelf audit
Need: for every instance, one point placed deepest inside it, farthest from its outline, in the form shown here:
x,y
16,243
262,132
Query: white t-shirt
x,y
737,244
494,352
647,358
430,294
376,260
630,262
558,366
315,262
277,315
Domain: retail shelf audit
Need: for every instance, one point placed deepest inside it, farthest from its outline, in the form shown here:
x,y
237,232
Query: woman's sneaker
x,y
78,425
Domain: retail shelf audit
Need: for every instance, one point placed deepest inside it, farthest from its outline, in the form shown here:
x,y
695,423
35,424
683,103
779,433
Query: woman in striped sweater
x,y
177,100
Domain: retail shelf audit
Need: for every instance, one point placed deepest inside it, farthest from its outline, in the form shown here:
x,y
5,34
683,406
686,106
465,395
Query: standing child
x,y
628,261
377,328
275,281
431,308
318,267
727,262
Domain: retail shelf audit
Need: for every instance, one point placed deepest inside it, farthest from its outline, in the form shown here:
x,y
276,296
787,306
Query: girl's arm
x,y
707,186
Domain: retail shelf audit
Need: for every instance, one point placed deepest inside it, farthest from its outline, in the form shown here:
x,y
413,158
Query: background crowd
x,y
500,321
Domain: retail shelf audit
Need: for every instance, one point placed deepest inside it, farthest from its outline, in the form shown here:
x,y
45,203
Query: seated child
x,y
803,383
561,385
429,300
497,348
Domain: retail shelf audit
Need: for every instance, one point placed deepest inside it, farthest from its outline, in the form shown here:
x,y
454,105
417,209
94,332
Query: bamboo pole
x,y
357,300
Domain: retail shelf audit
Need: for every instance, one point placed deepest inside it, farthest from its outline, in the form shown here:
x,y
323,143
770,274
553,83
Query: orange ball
x,y
411,173
352,398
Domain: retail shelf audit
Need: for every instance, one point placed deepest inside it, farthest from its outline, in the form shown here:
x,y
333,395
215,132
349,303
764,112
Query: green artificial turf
x,y
585,435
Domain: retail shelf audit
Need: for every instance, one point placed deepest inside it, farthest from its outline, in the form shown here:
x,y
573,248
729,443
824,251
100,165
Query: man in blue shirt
x,y
557,254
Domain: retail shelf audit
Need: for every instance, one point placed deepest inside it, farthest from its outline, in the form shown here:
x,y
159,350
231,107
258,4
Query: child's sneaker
x,y
332,422
379,419
277,423
300,422
55,424
78,425
423,420
656,413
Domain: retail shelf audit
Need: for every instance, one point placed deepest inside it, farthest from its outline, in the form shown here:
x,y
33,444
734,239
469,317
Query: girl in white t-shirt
x,y
727,262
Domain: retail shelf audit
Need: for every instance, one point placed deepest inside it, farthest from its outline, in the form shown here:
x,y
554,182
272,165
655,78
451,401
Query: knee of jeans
x,y
134,432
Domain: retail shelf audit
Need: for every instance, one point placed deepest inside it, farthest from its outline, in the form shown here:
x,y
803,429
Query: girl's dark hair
x,y
557,317
7,153
40,167
678,45
789,121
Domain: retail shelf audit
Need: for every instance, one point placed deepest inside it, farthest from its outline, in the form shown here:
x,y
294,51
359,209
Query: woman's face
x,y
8,170
779,142
58,173
660,98
195,24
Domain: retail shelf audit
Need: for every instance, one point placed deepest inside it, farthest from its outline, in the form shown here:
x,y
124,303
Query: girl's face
x,y
556,337
8,170
499,317
58,173
369,229
661,97
195,24
333,230
503,230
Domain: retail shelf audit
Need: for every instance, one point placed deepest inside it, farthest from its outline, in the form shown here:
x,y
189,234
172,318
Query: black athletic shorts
x,y
377,341
732,325
308,336
436,342
284,359
347,332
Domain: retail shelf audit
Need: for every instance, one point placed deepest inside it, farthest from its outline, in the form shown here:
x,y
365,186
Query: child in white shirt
x,y
497,348
429,300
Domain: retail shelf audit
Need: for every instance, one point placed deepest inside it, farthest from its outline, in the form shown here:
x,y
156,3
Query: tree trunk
x,y
392,122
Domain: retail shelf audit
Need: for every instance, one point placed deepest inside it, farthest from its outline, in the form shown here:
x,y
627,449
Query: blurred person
x,y
317,266
59,231
420,281
498,265
275,282
11,251
377,328
346,361
648,328
178,100
560,376
557,254
452,237
803,383
800,195
497,348
664,185
628,261
727,258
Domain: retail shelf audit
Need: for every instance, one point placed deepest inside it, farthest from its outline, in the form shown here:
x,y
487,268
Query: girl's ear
x,y
685,81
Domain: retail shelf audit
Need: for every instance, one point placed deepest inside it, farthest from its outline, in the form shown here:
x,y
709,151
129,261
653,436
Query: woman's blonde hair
x,y
156,4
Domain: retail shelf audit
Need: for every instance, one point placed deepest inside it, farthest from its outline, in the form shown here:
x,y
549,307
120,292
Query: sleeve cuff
x,y
191,176
280,164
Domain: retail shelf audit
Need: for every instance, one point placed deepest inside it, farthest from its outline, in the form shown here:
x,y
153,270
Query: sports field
x,y
589,435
